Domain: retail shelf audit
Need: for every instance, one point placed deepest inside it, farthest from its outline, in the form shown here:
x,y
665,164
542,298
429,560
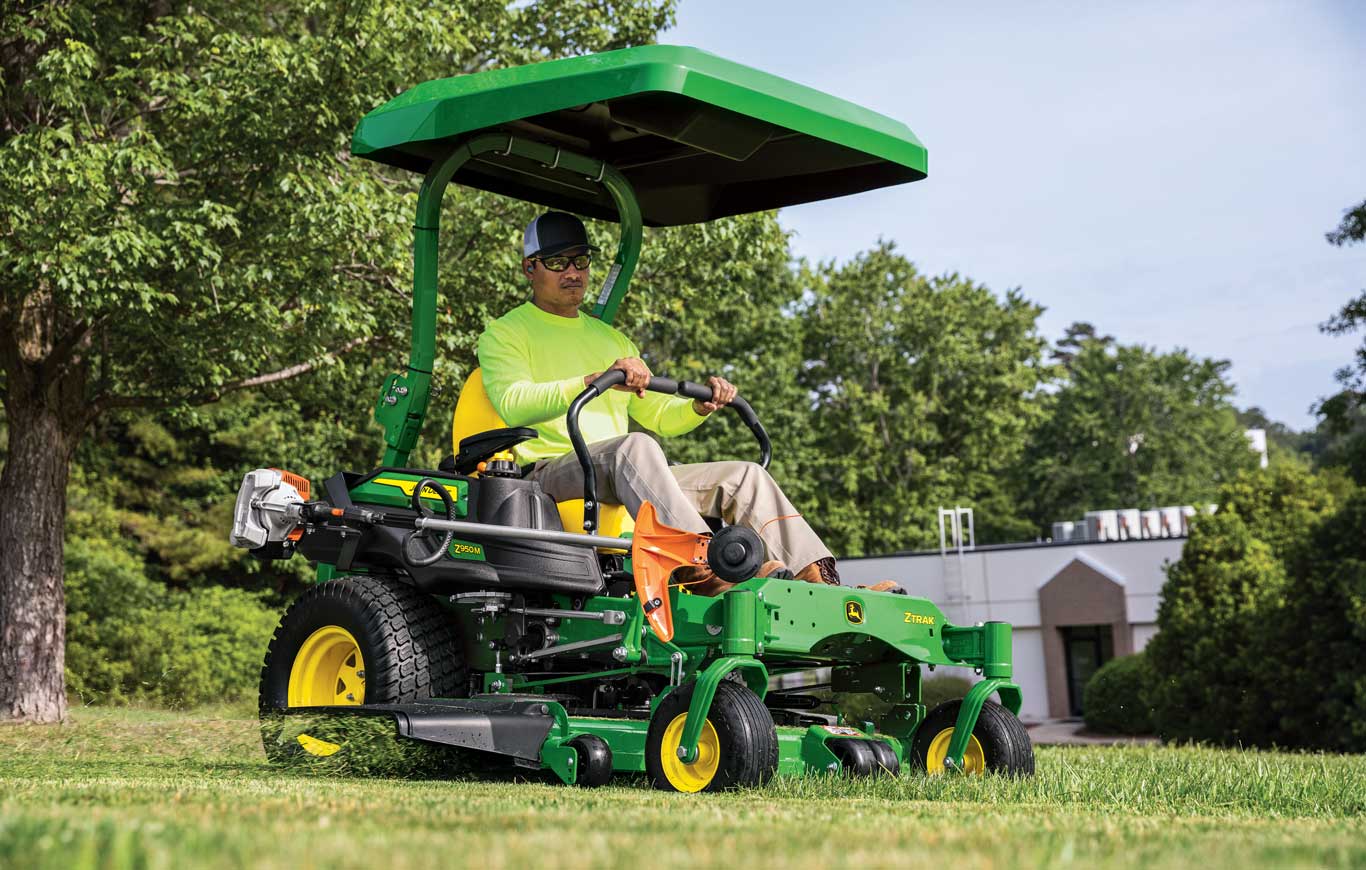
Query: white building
x,y
1073,605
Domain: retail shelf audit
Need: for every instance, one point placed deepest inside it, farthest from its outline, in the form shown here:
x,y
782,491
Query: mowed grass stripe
x,y
135,789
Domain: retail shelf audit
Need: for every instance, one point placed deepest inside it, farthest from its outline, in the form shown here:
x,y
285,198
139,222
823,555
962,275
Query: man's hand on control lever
x,y
722,392
637,375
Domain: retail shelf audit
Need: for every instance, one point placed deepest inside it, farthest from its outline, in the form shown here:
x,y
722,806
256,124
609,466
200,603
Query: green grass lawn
x,y
128,788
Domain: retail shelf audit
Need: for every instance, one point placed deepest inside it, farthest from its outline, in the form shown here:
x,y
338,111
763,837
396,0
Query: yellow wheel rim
x,y
328,670
974,758
695,776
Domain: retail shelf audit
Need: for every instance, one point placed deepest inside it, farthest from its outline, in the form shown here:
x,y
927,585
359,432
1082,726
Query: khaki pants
x,y
632,469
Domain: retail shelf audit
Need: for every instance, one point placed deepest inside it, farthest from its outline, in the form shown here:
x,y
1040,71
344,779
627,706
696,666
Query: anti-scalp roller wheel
x,y
735,553
595,760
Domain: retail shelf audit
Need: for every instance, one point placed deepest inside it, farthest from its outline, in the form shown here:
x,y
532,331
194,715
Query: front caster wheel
x,y
738,746
999,743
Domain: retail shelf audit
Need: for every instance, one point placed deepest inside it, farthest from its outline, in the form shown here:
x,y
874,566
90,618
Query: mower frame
x,y
873,642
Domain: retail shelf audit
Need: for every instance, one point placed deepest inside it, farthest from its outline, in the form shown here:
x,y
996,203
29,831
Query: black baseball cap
x,y
553,233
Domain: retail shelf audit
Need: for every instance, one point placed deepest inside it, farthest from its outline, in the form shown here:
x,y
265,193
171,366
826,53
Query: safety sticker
x,y
842,731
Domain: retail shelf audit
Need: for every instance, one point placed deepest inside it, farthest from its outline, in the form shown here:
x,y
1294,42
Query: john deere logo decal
x,y
853,611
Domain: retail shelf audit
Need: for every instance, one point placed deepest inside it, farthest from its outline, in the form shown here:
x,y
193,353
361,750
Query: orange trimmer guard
x,y
656,550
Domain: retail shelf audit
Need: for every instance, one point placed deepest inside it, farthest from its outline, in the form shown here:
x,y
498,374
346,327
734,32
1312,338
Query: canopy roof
x,y
698,137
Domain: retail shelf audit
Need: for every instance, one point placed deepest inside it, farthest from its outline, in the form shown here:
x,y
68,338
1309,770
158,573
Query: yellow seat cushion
x,y
474,413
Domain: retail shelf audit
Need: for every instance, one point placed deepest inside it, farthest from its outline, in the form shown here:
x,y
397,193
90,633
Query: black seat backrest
x,y
479,448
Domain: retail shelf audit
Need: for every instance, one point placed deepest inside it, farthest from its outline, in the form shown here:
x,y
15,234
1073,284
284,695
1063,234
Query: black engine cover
x,y
510,565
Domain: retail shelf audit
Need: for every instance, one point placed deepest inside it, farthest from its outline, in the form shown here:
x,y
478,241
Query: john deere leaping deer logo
x,y
853,611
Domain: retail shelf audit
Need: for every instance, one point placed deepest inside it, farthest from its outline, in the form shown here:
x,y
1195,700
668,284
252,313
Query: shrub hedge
x,y
131,639
1115,698
1264,617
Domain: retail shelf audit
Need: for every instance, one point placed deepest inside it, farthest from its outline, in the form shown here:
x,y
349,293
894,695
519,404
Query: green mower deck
x,y
874,642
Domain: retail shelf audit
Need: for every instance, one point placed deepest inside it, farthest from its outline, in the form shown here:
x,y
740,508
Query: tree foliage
x,y
1323,627
1208,650
922,391
180,209
180,220
1257,610
1344,413
1131,427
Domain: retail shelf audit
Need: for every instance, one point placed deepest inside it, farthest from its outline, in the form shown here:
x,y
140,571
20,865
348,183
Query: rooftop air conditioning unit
x,y
1187,513
1130,524
1171,521
1151,523
1102,526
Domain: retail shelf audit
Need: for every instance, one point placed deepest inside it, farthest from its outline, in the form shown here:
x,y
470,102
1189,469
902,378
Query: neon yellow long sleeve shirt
x,y
534,363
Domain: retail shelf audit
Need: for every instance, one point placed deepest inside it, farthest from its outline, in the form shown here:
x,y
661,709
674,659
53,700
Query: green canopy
x,y
697,136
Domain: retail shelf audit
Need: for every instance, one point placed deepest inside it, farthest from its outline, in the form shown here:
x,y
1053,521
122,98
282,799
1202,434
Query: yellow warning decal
x,y
409,485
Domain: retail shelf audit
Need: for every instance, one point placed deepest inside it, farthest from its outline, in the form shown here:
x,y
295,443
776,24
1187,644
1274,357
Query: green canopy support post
x,y
628,250
402,404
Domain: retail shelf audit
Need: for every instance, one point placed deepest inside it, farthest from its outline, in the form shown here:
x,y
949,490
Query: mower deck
x,y
533,732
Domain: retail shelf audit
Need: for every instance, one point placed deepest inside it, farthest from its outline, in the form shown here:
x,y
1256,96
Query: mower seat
x,y
475,414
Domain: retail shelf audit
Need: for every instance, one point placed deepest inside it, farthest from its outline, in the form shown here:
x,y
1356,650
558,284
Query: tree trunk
x,y
32,602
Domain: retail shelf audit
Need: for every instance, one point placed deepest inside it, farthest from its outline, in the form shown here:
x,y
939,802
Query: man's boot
x,y
699,579
824,571
820,571
702,580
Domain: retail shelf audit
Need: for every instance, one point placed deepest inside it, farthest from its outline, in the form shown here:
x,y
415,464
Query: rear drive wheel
x,y
355,640
738,746
998,744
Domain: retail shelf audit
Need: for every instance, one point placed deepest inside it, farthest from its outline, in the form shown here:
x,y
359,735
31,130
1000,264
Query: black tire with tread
x,y
744,727
408,642
1005,743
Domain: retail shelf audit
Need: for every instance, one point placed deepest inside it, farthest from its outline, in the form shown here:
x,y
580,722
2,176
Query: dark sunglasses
x,y
559,264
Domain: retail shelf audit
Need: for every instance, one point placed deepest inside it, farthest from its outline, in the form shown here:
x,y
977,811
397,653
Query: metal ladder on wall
x,y
957,535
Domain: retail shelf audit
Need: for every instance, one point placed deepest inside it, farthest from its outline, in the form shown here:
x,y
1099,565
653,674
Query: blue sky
x,y
1164,170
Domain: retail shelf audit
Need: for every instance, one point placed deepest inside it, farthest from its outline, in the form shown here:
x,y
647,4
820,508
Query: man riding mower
x,y
528,359
486,606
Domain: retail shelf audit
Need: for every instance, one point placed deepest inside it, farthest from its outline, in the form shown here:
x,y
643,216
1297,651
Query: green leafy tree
x,y
1322,704
1215,605
180,220
1223,605
920,395
1282,442
1343,414
1077,336
1130,427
